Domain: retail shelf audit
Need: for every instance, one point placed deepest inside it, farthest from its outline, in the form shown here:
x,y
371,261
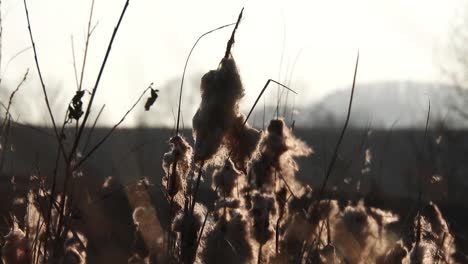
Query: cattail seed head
x,y
176,164
221,90
228,242
262,210
225,179
16,249
242,141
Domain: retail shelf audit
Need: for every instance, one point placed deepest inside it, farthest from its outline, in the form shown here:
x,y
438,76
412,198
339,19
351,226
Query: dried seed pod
x,y
278,148
281,199
75,109
421,253
225,179
228,242
434,233
187,225
274,144
355,234
176,164
242,141
16,250
261,173
440,227
297,230
221,91
396,254
262,210
152,99
329,255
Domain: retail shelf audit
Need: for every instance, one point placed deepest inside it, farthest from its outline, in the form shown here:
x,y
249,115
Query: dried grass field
x,y
226,191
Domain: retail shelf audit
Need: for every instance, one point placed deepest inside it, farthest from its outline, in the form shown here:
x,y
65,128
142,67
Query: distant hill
x,y
402,104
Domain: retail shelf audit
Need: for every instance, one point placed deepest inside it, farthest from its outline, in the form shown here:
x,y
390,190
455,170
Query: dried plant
x,y
242,140
226,179
277,149
187,225
228,241
176,165
221,91
258,210
16,248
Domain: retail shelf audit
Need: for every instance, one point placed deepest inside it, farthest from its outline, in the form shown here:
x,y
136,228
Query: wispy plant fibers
x,y
221,90
304,226
242,141
228,241
225,179
262,210
75,248
356,235
422,253
187,226
176,164
440,234
396,254
435,241
16,248
147,225
278,148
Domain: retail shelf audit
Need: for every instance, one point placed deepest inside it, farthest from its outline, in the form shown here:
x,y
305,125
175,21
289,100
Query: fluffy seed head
x,y
242,141
225,179
263,208
16,249
176,164
277,150
228,242
187,225
221,90
356,234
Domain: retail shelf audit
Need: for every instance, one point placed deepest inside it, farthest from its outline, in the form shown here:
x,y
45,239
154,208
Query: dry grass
x,y
261,212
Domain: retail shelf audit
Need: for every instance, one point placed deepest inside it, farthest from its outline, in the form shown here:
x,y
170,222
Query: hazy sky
x,y
397,39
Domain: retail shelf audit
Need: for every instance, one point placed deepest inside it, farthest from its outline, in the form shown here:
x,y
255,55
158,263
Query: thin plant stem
x,y
12,95
44,90
86,156
69,167
74,62
255,104
231,40
259,259
340,139
96,85
12,58
90,133
197,186
88,37
420,183
76,142
286,183
6,125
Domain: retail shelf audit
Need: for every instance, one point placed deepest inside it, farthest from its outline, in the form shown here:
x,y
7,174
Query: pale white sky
x,y
397,39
